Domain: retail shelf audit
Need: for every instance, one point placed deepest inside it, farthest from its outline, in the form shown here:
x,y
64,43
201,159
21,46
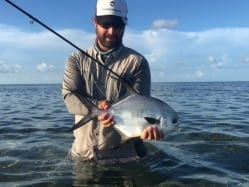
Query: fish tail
x,y
94,112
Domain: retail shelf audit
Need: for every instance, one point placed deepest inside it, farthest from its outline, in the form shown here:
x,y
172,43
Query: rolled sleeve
x,y
141,81
72,88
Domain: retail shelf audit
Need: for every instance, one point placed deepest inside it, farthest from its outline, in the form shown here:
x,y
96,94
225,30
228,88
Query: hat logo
x,y
112,3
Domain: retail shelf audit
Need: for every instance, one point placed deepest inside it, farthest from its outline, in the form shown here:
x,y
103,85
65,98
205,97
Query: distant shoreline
x,y
152,82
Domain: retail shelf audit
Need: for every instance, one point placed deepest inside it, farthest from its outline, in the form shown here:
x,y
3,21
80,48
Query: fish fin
x,y
128,139
152,121
124,137
84,120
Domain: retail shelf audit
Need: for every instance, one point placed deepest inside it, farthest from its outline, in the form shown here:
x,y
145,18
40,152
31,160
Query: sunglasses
x,y
116,25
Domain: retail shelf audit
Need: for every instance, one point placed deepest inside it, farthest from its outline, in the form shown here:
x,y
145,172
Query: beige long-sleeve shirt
x,y
86,81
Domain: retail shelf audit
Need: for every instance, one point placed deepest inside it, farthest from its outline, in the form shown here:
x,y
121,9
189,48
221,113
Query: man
x,y
85,81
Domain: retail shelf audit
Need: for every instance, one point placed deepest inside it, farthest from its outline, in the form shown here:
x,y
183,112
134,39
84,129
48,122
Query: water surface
x,y
210,148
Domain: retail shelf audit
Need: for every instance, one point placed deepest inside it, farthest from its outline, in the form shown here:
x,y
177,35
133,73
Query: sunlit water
x,y
211,147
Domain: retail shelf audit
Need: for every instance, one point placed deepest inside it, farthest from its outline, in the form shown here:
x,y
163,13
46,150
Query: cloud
x,y
44,67
162,23
208,55
9,68
215,62
199,73
246,59
13,36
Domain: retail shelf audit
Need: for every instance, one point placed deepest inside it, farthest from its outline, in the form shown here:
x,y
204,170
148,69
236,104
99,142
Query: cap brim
x,y
110,19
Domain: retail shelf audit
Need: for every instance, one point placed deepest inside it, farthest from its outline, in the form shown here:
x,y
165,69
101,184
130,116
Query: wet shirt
x,y
85,81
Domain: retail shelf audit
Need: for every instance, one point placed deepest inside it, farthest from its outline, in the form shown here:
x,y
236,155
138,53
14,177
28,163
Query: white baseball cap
x,y
113,8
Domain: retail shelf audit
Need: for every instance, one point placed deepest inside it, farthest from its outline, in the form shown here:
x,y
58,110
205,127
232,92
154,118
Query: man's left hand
x,y
152,133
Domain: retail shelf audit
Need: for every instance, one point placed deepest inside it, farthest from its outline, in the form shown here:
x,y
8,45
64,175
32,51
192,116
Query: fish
x,y
134,113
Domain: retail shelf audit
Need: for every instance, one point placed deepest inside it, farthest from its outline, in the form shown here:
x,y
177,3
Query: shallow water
x,y
209,149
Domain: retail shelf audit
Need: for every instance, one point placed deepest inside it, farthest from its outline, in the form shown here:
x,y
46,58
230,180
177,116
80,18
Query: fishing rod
x,y
70,43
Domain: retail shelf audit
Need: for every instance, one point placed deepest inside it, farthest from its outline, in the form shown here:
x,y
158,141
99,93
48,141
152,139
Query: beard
x,y
110,41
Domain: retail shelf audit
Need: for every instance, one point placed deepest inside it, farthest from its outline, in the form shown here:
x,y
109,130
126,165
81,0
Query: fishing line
x,y
34,19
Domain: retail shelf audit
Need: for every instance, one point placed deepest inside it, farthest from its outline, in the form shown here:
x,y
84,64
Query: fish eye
x,y
175,120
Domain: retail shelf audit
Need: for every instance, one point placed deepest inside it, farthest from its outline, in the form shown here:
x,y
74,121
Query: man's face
x,y
109,34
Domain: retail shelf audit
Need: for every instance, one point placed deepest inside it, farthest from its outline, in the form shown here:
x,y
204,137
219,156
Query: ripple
x,y
209,149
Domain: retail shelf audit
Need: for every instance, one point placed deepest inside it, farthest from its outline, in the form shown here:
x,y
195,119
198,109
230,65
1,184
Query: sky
x,y
183,40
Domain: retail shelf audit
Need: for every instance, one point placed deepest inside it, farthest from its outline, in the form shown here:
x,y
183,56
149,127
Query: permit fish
x,y
134,113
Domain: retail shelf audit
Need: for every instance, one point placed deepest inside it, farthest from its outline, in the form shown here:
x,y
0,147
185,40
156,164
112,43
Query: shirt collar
x,y
110,53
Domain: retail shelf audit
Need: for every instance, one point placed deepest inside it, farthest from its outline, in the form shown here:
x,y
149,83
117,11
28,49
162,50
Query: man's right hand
x,y
105,119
